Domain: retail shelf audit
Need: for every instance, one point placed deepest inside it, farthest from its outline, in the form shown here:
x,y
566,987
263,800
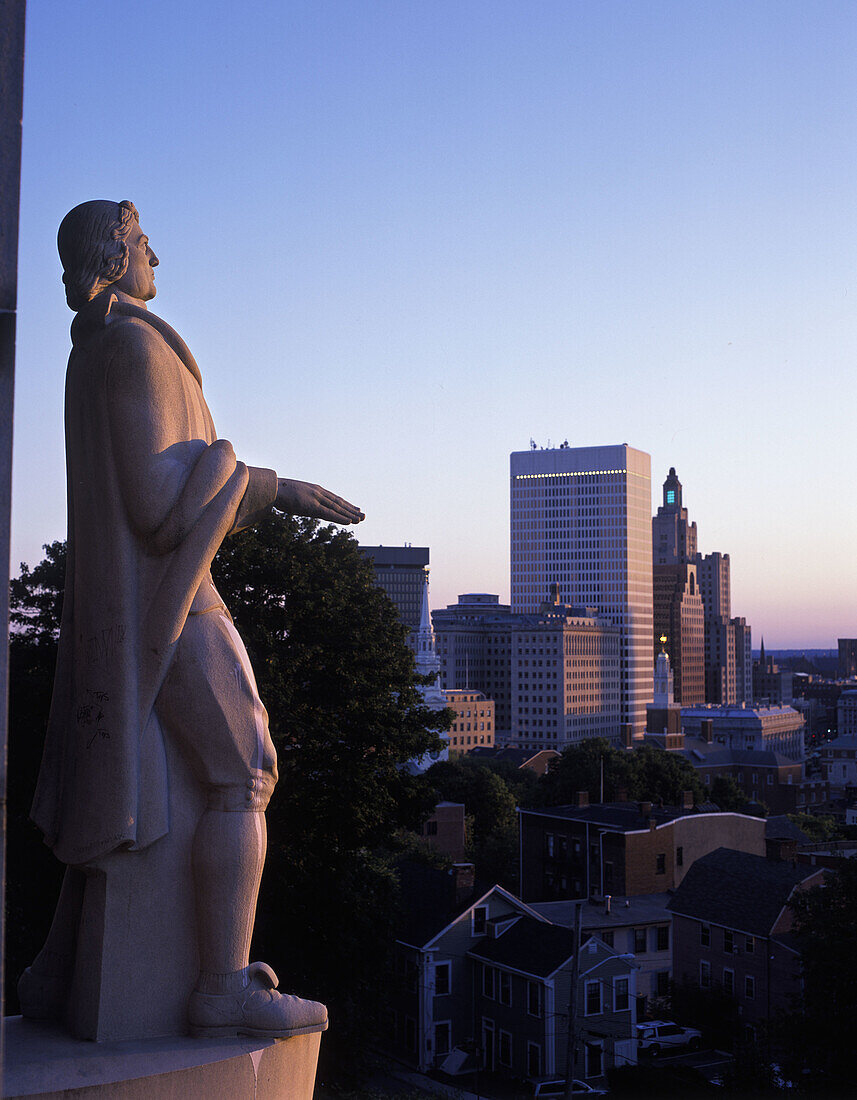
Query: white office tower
x,y
581,517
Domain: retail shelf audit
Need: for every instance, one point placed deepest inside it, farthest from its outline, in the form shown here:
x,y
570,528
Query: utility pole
x,y
572,1004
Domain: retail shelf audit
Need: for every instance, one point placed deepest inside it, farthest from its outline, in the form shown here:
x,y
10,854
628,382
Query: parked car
x,y
555,1087
653,1036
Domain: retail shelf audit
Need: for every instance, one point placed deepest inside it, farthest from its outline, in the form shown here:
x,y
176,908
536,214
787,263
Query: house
x,y
622,848
640,926
479,970
732,930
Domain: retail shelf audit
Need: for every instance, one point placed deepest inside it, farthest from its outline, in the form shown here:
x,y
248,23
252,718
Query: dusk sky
x,y
404,238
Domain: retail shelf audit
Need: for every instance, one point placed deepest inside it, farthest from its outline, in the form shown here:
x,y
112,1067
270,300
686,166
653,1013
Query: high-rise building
x,y
554,674
847,658
402,572
673,537
679,616
727,672
581,519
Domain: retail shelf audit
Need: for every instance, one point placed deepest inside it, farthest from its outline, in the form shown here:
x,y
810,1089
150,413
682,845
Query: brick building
x,y
474,721
622,848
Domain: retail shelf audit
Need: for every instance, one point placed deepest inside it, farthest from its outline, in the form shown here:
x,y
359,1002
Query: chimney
x,y
645,809
621,794
687,800
706,730
464,875
581,798
627,735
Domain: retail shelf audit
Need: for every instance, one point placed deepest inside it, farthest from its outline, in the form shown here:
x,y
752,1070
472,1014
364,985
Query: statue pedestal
x,y
136,961
42,1061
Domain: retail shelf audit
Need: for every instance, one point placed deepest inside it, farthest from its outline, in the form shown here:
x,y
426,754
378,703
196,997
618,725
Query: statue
x,y
149,659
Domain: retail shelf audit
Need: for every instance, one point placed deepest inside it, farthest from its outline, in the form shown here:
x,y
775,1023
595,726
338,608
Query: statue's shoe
x,y
258,1010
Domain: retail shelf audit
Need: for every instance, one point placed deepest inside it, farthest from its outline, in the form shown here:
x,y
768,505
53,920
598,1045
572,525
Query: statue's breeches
x,y
210,707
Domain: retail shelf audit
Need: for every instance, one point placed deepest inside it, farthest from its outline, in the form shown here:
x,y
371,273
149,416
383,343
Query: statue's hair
x,y
93,249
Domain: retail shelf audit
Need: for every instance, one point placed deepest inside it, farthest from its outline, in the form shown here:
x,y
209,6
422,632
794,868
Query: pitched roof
x,y
429,901
779,827
737,890
530,945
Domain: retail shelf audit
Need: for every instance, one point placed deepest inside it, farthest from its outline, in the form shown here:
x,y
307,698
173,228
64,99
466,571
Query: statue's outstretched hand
x,y
300,498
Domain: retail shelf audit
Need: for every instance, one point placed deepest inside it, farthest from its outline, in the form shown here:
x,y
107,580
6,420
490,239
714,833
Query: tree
x,y
726,791
819,1035
33,875
648,773
490,806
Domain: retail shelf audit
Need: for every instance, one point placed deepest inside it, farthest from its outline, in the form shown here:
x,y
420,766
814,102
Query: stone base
x,y
42,1061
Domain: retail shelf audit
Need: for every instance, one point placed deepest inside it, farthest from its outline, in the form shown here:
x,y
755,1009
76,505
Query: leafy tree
x,y
490,805
727,792
819,1035
33,874
818,827
648,773
579,768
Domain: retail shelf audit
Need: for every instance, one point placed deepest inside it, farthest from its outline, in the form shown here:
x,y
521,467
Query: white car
x,y
556,1088
656,1035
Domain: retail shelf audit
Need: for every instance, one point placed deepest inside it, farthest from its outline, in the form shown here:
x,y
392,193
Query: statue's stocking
x,y
228,856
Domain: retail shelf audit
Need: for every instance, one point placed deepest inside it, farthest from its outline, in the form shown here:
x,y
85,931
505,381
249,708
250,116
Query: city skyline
x,y
402,240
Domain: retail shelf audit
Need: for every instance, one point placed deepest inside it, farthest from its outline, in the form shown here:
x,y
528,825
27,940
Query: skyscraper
x,y
581,519
402,571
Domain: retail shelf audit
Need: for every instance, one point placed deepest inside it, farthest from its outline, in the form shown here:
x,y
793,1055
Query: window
x,y
505,988
729,981
442,979
504,1048
639,941
607,937
704,974
728,941
679,856
662,983
550,845
663,937
534,1059
442,1037
704,935
750,945
488,982
534,999
593,998
430,828
750,987
661,864
620,994
479,921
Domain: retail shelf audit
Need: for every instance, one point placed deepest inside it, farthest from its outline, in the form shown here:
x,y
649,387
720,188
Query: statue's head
x,y
93,247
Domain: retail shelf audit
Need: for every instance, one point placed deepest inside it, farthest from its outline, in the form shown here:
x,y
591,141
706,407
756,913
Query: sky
x,y
404,237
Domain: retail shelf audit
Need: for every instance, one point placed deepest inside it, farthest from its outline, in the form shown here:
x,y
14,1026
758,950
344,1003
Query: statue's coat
x,y
152,493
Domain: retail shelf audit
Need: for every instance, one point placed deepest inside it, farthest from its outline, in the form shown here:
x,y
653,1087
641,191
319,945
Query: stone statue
x,y
150,666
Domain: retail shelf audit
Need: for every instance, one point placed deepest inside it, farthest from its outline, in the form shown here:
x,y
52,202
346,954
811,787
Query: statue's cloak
x,y
152,493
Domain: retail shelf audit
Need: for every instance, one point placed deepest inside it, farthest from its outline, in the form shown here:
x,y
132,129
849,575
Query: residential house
x,y
732,930
479,970
640,926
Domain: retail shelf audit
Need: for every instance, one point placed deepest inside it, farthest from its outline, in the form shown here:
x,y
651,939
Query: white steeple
x,y
663,694
428,664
